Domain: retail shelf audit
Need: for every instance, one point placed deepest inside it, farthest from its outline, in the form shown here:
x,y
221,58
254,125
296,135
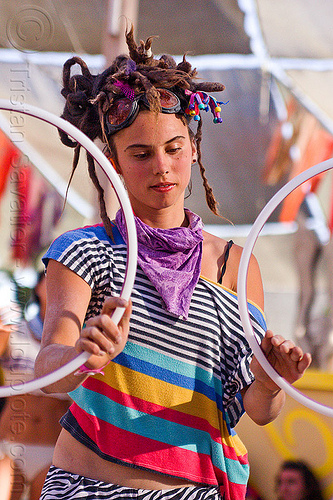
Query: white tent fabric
x,y
251,46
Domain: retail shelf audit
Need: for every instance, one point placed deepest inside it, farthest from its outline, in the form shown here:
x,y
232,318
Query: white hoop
x,y
242,280
104,163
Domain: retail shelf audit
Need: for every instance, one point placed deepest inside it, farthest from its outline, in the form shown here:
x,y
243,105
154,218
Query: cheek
x,y
132,176
187,166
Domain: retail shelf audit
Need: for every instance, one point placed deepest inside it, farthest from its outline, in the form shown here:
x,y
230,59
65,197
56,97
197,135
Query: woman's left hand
x,y
285,357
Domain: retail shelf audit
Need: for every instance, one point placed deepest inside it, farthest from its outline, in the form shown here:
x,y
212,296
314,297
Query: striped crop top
x,y
168,403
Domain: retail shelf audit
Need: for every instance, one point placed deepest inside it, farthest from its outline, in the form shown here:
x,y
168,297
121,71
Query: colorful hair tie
x,y
126,89
202,101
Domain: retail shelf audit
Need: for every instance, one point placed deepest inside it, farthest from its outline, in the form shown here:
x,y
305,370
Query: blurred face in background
x,y
291,485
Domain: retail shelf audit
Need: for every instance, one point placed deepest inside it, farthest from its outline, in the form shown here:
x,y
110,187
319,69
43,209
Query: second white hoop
x,y
242,281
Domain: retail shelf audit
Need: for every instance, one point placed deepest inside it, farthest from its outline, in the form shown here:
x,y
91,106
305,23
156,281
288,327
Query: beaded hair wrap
x,y
202,101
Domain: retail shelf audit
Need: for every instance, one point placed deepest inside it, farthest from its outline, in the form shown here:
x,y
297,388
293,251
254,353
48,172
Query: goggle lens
x,y
168,100
124,110
119,112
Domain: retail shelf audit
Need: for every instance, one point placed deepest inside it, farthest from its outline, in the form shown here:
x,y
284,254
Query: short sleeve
x,y
96,258
241,376
82,251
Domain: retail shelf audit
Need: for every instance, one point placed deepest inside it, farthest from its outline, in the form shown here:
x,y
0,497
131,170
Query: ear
x,y
194,152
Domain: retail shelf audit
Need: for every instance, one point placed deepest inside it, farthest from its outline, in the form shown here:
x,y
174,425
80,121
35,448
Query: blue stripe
x,y
159,430
175,374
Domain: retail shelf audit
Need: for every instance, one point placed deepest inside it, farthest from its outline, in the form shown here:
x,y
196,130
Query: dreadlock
x,y
88,98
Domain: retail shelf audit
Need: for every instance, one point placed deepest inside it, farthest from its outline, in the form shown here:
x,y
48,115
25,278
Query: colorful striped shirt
x,y
168,403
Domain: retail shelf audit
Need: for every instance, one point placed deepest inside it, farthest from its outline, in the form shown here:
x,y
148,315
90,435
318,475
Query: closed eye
x,y
174,150
142,155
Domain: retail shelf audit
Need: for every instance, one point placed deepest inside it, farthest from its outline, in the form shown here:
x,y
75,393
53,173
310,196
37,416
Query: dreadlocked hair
x,y
210,198
88,98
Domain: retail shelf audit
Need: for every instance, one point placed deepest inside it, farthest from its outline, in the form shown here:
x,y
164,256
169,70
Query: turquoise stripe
x,y
160,430
173,365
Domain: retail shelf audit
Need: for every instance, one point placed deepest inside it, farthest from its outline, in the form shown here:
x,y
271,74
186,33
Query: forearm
x,y
52,357
263,405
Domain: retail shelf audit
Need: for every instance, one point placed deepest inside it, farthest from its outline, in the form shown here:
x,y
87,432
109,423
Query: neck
x,y
163,219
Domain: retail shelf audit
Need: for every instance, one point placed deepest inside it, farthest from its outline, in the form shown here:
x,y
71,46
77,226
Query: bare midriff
x,y
72,456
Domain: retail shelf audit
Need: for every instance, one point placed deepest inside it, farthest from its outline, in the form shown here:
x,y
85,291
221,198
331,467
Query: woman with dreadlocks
x,y
155,405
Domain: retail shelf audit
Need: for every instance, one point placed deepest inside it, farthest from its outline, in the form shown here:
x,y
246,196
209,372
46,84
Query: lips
x,y
163,186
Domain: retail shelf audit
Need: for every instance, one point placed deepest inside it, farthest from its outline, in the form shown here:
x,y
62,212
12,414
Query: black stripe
x,y
60,484
212,338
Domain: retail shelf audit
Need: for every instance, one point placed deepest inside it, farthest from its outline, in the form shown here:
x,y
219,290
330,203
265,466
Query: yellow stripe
x,y
186,401
161,393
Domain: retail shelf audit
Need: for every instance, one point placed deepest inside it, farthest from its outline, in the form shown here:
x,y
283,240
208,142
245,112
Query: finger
x,y
266,343
112,303
304,363
288,347
277,340
271,341
125,319
84,344
296,353
104,323
95,335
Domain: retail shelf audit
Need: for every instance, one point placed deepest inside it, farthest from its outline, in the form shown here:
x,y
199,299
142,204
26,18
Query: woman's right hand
x,y
102,337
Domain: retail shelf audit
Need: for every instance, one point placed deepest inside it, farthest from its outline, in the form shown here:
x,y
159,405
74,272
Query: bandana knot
x,y
171,259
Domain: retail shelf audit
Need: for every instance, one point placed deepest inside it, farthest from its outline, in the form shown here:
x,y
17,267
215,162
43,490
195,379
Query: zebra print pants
x,y
67,486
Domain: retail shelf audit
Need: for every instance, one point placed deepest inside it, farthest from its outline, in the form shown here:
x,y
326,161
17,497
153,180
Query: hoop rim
x,y
242,282
132,246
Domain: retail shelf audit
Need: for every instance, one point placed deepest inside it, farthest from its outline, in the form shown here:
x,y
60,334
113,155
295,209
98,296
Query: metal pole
x,y
120,13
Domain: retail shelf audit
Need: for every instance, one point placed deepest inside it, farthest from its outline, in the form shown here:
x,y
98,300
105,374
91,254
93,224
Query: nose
x,y
160,164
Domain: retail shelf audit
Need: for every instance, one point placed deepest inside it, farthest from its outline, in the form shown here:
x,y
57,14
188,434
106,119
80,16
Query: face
x,y
155,155
291,485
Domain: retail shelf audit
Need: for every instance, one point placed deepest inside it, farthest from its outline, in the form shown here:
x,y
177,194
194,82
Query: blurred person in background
x,y
296,481
29,423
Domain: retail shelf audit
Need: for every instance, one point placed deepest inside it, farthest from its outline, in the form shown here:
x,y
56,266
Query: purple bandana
x,y
171,258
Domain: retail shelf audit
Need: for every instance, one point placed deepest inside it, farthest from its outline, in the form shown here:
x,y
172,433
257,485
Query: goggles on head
x,y
125,109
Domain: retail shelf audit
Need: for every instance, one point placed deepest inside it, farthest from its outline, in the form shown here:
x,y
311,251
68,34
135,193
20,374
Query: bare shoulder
x,y
214,249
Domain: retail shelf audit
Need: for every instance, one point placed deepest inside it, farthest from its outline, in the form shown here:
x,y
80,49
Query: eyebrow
x,y
133,146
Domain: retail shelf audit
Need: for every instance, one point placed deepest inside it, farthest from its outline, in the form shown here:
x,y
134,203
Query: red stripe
x,y
127,447
168,414
232,491
138,450
230,452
